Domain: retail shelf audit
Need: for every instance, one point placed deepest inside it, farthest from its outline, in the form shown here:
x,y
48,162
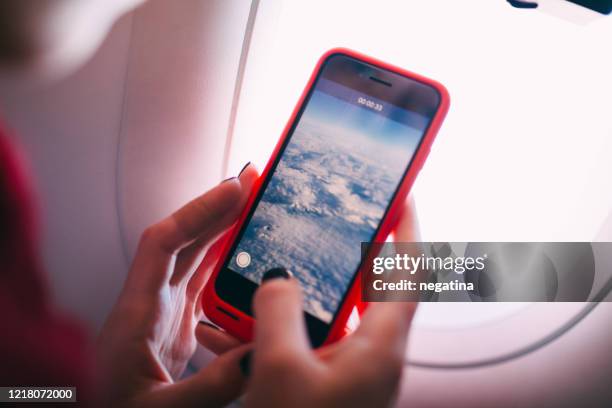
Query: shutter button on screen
x,y
243,259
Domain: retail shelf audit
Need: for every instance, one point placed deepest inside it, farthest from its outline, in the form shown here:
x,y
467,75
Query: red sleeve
x,y
38,346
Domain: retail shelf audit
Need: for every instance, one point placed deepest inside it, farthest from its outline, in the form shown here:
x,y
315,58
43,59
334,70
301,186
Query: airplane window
x,y
523,155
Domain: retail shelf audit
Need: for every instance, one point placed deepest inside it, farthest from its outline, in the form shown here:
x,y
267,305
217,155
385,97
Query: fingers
x,y
214,339
280,328
191,256
407,229
208,215
385,326
203,271
218,384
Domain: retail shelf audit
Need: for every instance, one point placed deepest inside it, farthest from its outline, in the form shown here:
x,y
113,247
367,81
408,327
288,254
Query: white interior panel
x,y
180,85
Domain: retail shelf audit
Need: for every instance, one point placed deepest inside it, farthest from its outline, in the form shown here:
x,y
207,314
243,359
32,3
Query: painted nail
x,y
275,273
523,4
245,166
203,323
245,364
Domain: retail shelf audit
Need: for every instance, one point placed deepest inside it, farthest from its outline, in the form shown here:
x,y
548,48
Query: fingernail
x,y
202,322
228,179
245,166
523,4
275,273
245,364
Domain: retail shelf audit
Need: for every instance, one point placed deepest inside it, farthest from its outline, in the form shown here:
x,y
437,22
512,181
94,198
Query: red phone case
x,y
239,324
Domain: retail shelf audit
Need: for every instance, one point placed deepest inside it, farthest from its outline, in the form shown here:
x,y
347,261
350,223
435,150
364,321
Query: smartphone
x,y
338,177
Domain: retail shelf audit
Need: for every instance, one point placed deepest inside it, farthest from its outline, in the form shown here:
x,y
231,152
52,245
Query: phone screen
x,y
332,183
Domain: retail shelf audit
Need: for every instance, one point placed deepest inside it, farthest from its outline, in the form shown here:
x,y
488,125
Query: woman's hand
x,y
149,336
362,370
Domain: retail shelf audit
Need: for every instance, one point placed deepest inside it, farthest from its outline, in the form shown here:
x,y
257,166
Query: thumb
x,y
407,228
280,326
208,215
202,220
216,385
